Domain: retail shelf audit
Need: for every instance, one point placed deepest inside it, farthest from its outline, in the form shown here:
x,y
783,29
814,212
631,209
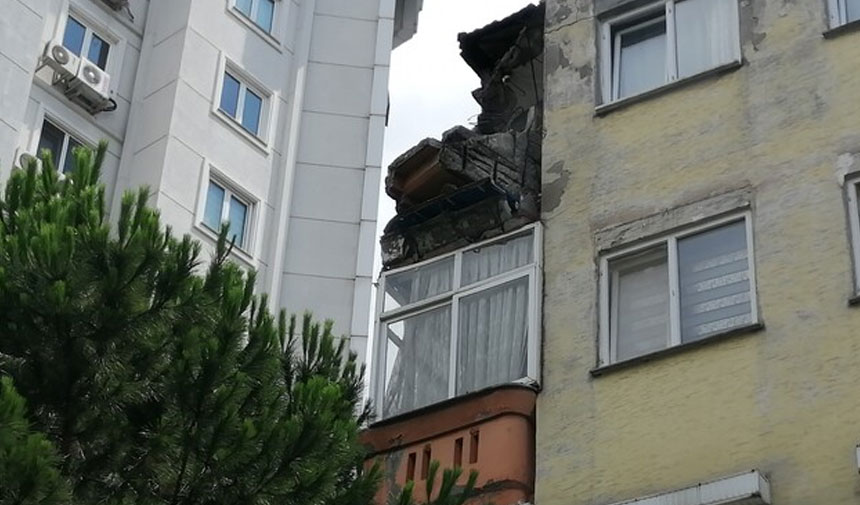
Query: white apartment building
x,y
266,113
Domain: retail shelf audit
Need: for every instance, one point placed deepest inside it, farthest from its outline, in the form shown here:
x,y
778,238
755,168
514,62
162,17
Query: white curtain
x,y
493,336
415,285
641,305
497,259
643,59
715,283
707,34
852,10
418,361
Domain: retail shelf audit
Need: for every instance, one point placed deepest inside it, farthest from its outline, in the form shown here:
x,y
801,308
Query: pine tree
x,y
29,472
449,493
158,384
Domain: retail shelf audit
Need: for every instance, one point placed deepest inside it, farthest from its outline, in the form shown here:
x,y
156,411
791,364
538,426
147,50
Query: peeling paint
x,y
551,192
555,59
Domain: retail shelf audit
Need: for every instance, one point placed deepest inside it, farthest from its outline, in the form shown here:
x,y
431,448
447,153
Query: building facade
x,y
266,113
699,203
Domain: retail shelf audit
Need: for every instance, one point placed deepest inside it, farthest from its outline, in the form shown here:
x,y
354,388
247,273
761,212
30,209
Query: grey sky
x,y
430,85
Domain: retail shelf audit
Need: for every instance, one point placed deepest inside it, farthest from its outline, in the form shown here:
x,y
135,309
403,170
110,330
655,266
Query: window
x,y
261,12
60,143
242,103
223,205
854,222
458,324
82,41
843,12
677,290
667,41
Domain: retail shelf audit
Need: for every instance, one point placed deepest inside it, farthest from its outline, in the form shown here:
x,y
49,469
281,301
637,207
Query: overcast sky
x,y
430,85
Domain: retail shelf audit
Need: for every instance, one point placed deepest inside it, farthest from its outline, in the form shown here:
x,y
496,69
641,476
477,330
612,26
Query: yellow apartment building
x,y
701,166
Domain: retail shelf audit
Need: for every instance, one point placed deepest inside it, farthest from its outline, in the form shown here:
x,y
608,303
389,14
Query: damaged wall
x,y
782,399
476,184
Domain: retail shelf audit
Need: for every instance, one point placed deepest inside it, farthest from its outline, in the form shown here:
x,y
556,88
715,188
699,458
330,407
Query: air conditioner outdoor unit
x,y
23,158
93,84
63,62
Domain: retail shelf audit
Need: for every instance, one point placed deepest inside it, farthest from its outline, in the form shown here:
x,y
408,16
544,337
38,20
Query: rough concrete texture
x,y
783,400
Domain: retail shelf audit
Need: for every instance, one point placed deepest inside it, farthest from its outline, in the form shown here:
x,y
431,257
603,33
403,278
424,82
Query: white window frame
x,y
66,129
89,32
532,271
250,20
838,13
262,139
607,352
610,47
231,189
853,188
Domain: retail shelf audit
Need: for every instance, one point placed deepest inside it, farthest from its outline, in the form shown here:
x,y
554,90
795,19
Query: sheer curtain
x,y
493,336
496,259
707,34
418,361
415,285
643,59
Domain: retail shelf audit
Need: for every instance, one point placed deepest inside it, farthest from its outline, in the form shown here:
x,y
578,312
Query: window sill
x,y
245,134
602,110
263,34
237,252
670,351
850,27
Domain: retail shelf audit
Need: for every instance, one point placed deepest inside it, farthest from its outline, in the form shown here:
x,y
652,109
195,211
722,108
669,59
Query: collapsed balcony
x,y
457,348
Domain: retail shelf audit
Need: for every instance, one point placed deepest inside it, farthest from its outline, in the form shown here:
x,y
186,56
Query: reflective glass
x,y
98,51
244,6
419,283
715,281
214,206
69,160
230,95
640,304
251,113
266,14
642,64
238,215
852,10
73,38
707,34
51,139
417,362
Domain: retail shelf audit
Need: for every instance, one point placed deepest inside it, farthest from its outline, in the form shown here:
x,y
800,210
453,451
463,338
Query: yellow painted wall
x,y
785,400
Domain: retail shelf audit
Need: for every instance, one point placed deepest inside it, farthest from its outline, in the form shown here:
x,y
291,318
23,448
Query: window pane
x,y
715,284
214,206
640,304
417,361
69,160
238,217
51,138
251,113
98,52
707,34
73,38
418,284
643,58
852,10
493,336
495,259
265,14
230,95
244,6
